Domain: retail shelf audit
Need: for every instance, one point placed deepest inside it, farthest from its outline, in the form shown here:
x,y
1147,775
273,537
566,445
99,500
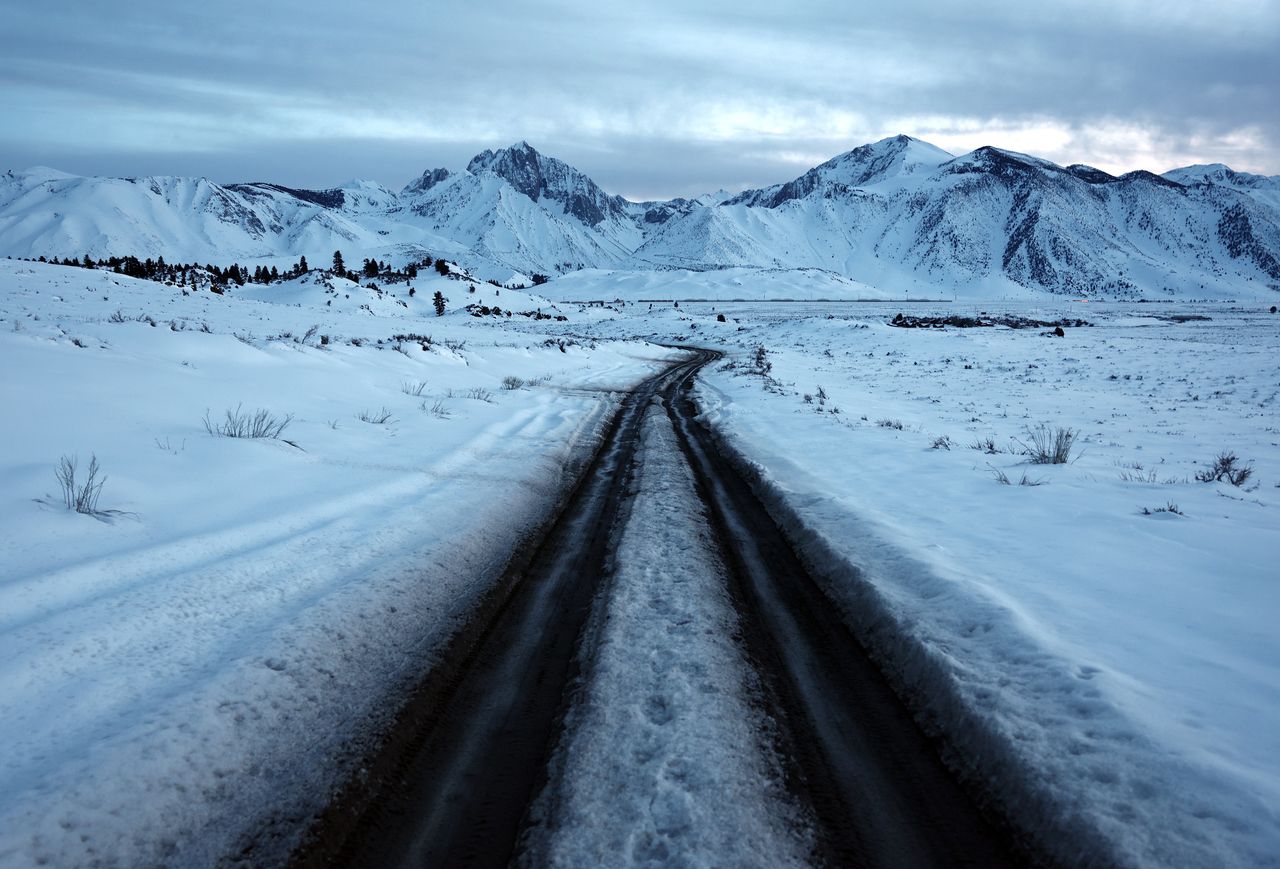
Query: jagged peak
x,y
428,179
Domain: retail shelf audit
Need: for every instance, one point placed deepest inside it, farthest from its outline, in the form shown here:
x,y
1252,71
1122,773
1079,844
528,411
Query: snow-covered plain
x,y
1109,666
186,679
1115,665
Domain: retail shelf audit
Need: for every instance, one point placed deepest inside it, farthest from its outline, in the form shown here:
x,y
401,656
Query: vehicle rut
x,y
876,783
454,783
464,762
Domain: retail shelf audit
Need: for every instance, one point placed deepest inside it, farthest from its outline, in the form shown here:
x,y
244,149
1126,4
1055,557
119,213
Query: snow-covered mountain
x,y
898,212
902,211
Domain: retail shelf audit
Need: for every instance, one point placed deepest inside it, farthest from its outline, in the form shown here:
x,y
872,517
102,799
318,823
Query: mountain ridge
x,y
899,209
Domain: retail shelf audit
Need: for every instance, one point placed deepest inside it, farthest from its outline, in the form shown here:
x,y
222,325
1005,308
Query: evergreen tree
x,y
411,271
339,267
303,268
438,301
442,267
371,268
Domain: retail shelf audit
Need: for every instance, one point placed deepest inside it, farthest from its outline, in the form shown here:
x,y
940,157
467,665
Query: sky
x,y
651,98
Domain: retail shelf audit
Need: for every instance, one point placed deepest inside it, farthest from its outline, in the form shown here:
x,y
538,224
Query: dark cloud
x,y
653,99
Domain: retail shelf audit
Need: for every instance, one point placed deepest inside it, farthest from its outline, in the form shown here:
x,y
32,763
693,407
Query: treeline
x,y
184,274
220,277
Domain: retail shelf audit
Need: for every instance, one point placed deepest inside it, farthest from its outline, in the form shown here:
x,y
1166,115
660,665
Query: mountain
x,y
898,213
1264,188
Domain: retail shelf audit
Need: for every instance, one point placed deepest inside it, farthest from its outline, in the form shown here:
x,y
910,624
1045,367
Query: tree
x,y
339,267
303,268
540,279
411,271
438,301
442,267
371,268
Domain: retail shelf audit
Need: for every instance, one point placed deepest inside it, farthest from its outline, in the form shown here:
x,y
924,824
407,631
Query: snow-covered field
x,y
230,633
1117,659
229,641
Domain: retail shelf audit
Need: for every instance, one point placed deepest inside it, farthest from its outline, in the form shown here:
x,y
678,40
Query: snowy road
x,y
661,682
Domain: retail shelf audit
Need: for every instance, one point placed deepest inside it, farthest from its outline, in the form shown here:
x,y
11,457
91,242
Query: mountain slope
x,y
898,213
990,221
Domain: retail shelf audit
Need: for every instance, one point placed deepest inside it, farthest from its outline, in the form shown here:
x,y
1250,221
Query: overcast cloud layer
x,y
652,99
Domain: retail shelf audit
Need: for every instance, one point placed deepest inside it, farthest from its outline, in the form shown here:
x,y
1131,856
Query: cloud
x,y
652,99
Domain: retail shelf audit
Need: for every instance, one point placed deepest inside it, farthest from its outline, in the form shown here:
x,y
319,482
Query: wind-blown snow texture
x,y
899,214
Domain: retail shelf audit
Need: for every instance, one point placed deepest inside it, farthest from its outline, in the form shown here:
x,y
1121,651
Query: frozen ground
x,y
665,761
225,645
1117,659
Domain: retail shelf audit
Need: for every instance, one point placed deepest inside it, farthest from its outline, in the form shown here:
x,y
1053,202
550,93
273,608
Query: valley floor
x,y
1098,644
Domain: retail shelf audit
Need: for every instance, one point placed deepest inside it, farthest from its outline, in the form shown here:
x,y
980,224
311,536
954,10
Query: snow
x,y
1109,667
193,676
1113,673
664,758
900,215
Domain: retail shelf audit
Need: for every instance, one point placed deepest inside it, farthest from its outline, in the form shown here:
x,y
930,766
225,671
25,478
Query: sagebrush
x,y
239,423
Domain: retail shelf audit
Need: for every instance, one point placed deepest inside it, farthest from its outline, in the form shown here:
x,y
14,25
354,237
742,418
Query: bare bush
x,y
479,393
1003,479
1169,507
941,443
512,382
378,417
985,445
82,495
240,423
1048,445
437,409
895,424
1226,467
414,388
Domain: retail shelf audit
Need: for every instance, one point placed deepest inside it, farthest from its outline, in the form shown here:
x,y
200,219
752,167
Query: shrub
x,y
986,445
1048,445
409,387
379,417
81,496
890,423
1003,479
941,443
239,423
1170,507
1225,467
760,361
512,382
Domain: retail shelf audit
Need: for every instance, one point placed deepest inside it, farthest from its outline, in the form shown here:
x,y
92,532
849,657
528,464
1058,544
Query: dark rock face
x,y
332,199
429,179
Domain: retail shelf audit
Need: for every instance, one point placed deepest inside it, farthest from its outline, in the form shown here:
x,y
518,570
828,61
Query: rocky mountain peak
x,y
540,177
